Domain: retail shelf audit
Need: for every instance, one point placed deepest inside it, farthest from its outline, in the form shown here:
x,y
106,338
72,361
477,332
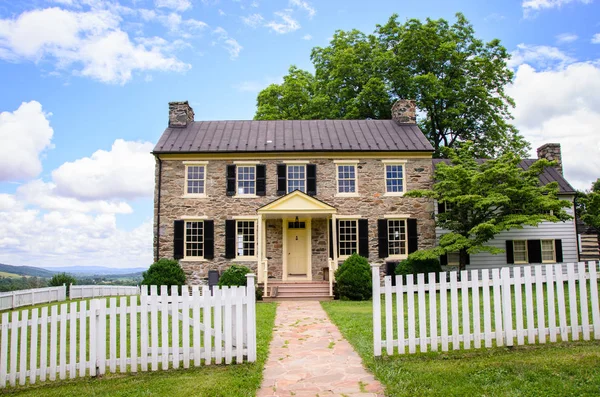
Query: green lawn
x,y
563,369
219,381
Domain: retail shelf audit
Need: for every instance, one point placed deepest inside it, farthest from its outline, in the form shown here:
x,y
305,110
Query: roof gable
x,y
297,202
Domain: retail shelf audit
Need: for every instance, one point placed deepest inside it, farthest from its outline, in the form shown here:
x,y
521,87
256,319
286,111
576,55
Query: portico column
x,y
259,253
335,242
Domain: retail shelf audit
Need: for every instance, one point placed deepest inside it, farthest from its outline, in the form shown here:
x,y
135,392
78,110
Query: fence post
x,y
376,309
251,316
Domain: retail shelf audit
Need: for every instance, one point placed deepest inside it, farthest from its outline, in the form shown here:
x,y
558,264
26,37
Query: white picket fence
x,y
96,291
161,331
28,297
538,303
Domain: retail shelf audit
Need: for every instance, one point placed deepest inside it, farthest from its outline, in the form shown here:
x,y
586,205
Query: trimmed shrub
x,y
235,276
415,266
164,272
62,278
353,279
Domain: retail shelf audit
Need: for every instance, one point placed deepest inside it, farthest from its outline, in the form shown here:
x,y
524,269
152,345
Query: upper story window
x,y
396,237
195,179
194,239
395,177
296,178
520,251
246,180
347,181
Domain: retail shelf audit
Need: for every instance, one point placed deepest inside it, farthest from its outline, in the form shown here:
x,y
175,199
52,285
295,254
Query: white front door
x,y
297,252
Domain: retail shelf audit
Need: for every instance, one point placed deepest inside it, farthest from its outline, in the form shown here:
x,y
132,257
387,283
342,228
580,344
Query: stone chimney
x,y
180,114
404,111
551,151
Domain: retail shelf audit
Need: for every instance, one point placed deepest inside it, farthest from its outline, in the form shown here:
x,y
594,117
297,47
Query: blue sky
x,y
85,86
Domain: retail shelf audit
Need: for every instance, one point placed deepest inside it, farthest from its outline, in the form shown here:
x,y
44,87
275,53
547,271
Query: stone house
x,y
290,199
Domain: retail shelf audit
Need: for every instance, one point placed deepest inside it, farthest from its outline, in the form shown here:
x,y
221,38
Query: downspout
x,y
157,232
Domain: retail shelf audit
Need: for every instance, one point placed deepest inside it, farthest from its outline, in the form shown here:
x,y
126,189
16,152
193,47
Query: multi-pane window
x,y
346,178
348,240
453,258
246,179
296,178
246,238
196,178
394,178
194,239
396,237
520,251
548,254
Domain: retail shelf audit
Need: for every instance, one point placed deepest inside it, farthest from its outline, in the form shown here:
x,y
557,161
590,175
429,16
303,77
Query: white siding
x,y
564,231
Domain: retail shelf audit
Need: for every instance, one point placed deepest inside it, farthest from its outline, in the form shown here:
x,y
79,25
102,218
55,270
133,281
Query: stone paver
x,y
309,357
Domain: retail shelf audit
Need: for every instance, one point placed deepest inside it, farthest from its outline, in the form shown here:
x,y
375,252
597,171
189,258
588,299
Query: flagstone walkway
x,y
309,357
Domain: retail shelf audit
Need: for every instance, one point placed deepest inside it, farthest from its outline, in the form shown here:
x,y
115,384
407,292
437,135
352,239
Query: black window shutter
x,y
444,260
534,251
558,251
363,238
178,237
330,239
441,207
261,180
468,260
510,256
230,239
311,179
231,180
382,237
281,179
209,239
413,236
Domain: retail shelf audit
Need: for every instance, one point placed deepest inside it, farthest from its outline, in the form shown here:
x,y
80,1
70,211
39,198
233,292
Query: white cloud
x,y
596,38
25,135
531,6
304,5
228,43
91,43
539,55
287,23
124,172
256,86
178,5
562,105
221,12
566,38
253,20
307,37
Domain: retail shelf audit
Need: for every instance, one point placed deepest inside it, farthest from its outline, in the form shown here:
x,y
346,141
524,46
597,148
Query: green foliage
x,y
259,294
353,279
62,278
486,198
457,80
18,283
589,206
235,276
413,266
164,272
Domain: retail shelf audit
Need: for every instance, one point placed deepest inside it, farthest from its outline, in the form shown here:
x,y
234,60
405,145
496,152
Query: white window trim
x,y
194,218
337,178
295,162
187,219
287,179
185,187
526,253
397,218
245,164
394,162
346,218
553,250
246,258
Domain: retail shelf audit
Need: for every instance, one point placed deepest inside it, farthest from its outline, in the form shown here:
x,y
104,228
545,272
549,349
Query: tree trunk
x,y
462,262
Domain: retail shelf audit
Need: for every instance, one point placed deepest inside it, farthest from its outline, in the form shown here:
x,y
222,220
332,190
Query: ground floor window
x,y
520,251
194,239
453,258
548,253
246,238
348,237
396,237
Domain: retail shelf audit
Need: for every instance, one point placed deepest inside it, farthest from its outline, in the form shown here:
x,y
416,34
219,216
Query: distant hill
x,y
96,270
26,271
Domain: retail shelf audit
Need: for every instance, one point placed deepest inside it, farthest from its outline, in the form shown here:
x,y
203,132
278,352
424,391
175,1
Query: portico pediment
x,y
297,202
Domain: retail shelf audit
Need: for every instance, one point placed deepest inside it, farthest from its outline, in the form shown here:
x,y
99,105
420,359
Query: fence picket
x,y
207,317
487,312
550,301
218,303
93,337
133,330
389,330
376,310
583,299
4,350
154,327
239,323
594,298
443,312
175,324
144,329
53,341
410,299
33,355
454,310
101,336
185,326
123,335
476,310
251,316
422,315
529,305
73,340
507,307
164,331
560,297
228,325
23,352
400,315
497,306
539,295
519,305
466,317
572,301
14,332
82,339
112,313
197,322
433,312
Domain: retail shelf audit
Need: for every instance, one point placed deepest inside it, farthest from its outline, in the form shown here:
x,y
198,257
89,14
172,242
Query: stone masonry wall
x,y
371,204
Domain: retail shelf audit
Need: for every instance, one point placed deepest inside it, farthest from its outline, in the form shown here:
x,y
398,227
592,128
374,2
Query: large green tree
x,y
485,198
457,80
589,206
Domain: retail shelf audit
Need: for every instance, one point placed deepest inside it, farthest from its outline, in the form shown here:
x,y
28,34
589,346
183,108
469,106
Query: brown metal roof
x,y
550,174
292,135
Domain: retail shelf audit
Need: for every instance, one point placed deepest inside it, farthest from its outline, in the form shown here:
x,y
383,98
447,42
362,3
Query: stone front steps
x,y
298,290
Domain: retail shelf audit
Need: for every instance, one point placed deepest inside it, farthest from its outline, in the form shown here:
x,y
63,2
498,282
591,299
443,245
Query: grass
x,y
567,368
11,275
218,381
